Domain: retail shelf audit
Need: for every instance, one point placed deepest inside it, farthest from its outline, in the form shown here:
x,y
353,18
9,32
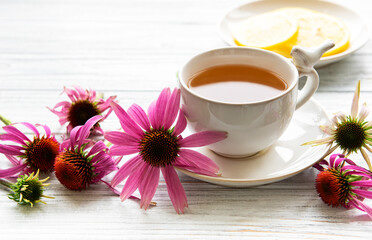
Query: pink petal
x,y
85,130
175,190
179,164
47,130
98,147
12,171
31,127
12,159
202,139
152,116
361,206
13,138
74,137
126,122
139,115
83,94
362,183
172,109
181,124
11,150
121,138
160,107
72,94
354,167
123,150
133,181
149,185
103,105
199,160
63,104
130,166
332,159
358,173
363,193
12,130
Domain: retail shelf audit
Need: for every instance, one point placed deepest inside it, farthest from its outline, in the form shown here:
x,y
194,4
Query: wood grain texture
x,y
133,49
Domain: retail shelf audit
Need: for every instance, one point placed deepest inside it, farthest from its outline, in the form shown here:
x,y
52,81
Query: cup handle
x,y
304,59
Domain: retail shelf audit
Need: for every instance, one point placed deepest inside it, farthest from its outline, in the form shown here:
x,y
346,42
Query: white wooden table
x,y
133,49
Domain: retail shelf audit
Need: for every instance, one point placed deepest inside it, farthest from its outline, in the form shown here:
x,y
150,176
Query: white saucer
x,y
282,160
357,26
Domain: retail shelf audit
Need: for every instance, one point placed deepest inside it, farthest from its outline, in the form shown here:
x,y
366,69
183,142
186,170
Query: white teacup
x,y
251,126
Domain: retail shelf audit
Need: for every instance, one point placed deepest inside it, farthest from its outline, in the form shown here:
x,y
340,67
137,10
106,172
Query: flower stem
x,y
5,183
5,121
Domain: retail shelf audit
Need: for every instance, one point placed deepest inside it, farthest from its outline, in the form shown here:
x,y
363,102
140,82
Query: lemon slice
x,y
315,28
265,31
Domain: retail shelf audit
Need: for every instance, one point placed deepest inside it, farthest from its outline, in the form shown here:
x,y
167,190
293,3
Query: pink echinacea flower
x,y
28,155
82,162
342,183
84,105
159,147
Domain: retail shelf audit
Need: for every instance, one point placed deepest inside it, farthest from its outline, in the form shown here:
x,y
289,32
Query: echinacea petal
x,y
354,167
341,116
202,139
161,104
121,138
12,171
86,129
74,137
63,104
126,121
12,130
71,93
366,175
175,190
334,120
327,129
82,94
361,206
31,127
11,150
327,140
13,138
179,163
197,159
172,108
12,159
47,130
363,113
355,103
97,147
133,181
139,115
338,163
130,166
123,150
152,115
181,124
319,165
103,105
362,183
363,193
149,185
366,158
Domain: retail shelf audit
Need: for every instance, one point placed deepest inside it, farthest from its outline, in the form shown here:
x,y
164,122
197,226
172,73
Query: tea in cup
x,y
249,93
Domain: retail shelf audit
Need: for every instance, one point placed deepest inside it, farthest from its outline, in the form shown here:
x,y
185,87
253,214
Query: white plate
x,y
282,160
357,26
